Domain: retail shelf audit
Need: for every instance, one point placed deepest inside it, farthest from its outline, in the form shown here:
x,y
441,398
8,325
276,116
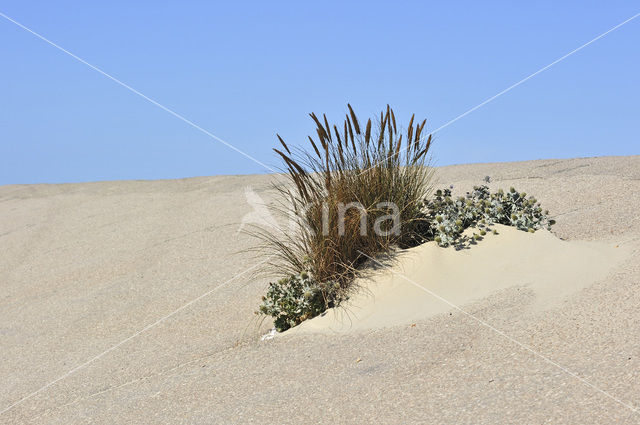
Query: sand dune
x,y
404,292
130,302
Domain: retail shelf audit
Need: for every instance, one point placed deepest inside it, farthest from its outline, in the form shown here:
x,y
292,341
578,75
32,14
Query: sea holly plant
x,y
296,298
448,218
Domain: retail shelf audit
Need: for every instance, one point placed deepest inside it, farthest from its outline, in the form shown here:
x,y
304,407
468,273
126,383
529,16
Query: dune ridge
x,y
86,266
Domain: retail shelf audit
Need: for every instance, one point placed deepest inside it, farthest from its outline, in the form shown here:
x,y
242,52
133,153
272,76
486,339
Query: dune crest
x,y
551,267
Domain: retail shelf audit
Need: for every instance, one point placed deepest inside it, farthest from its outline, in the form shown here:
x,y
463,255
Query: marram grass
x,y
379,171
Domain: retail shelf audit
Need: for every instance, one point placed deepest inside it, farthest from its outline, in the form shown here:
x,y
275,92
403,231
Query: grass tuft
x,y
338,181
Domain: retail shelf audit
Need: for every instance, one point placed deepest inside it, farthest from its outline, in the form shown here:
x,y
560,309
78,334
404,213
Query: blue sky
x,y
244,71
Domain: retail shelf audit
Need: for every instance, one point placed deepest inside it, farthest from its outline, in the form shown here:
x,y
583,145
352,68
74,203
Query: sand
x,y
87,270
424,281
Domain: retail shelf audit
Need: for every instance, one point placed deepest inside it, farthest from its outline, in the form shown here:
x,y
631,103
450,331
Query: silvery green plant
x,y
296,298
447,218
480,209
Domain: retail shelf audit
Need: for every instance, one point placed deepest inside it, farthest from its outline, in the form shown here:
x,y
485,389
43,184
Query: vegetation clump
x,y
362,190
448,218
355,193
294,299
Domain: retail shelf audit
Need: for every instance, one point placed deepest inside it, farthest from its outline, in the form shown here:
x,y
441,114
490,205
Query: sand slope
x,y
86,268
424,281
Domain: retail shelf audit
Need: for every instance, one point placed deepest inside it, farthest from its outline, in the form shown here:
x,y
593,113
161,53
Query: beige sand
x,y
404,293
84,268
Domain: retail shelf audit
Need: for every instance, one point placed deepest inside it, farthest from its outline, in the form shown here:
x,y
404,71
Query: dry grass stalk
x,y
344,169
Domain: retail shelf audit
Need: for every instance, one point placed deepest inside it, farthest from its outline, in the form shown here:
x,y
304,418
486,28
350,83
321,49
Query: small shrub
x,y
450,217
296,298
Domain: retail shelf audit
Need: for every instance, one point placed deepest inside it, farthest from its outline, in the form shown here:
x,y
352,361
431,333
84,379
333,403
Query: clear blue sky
x,y
244,71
